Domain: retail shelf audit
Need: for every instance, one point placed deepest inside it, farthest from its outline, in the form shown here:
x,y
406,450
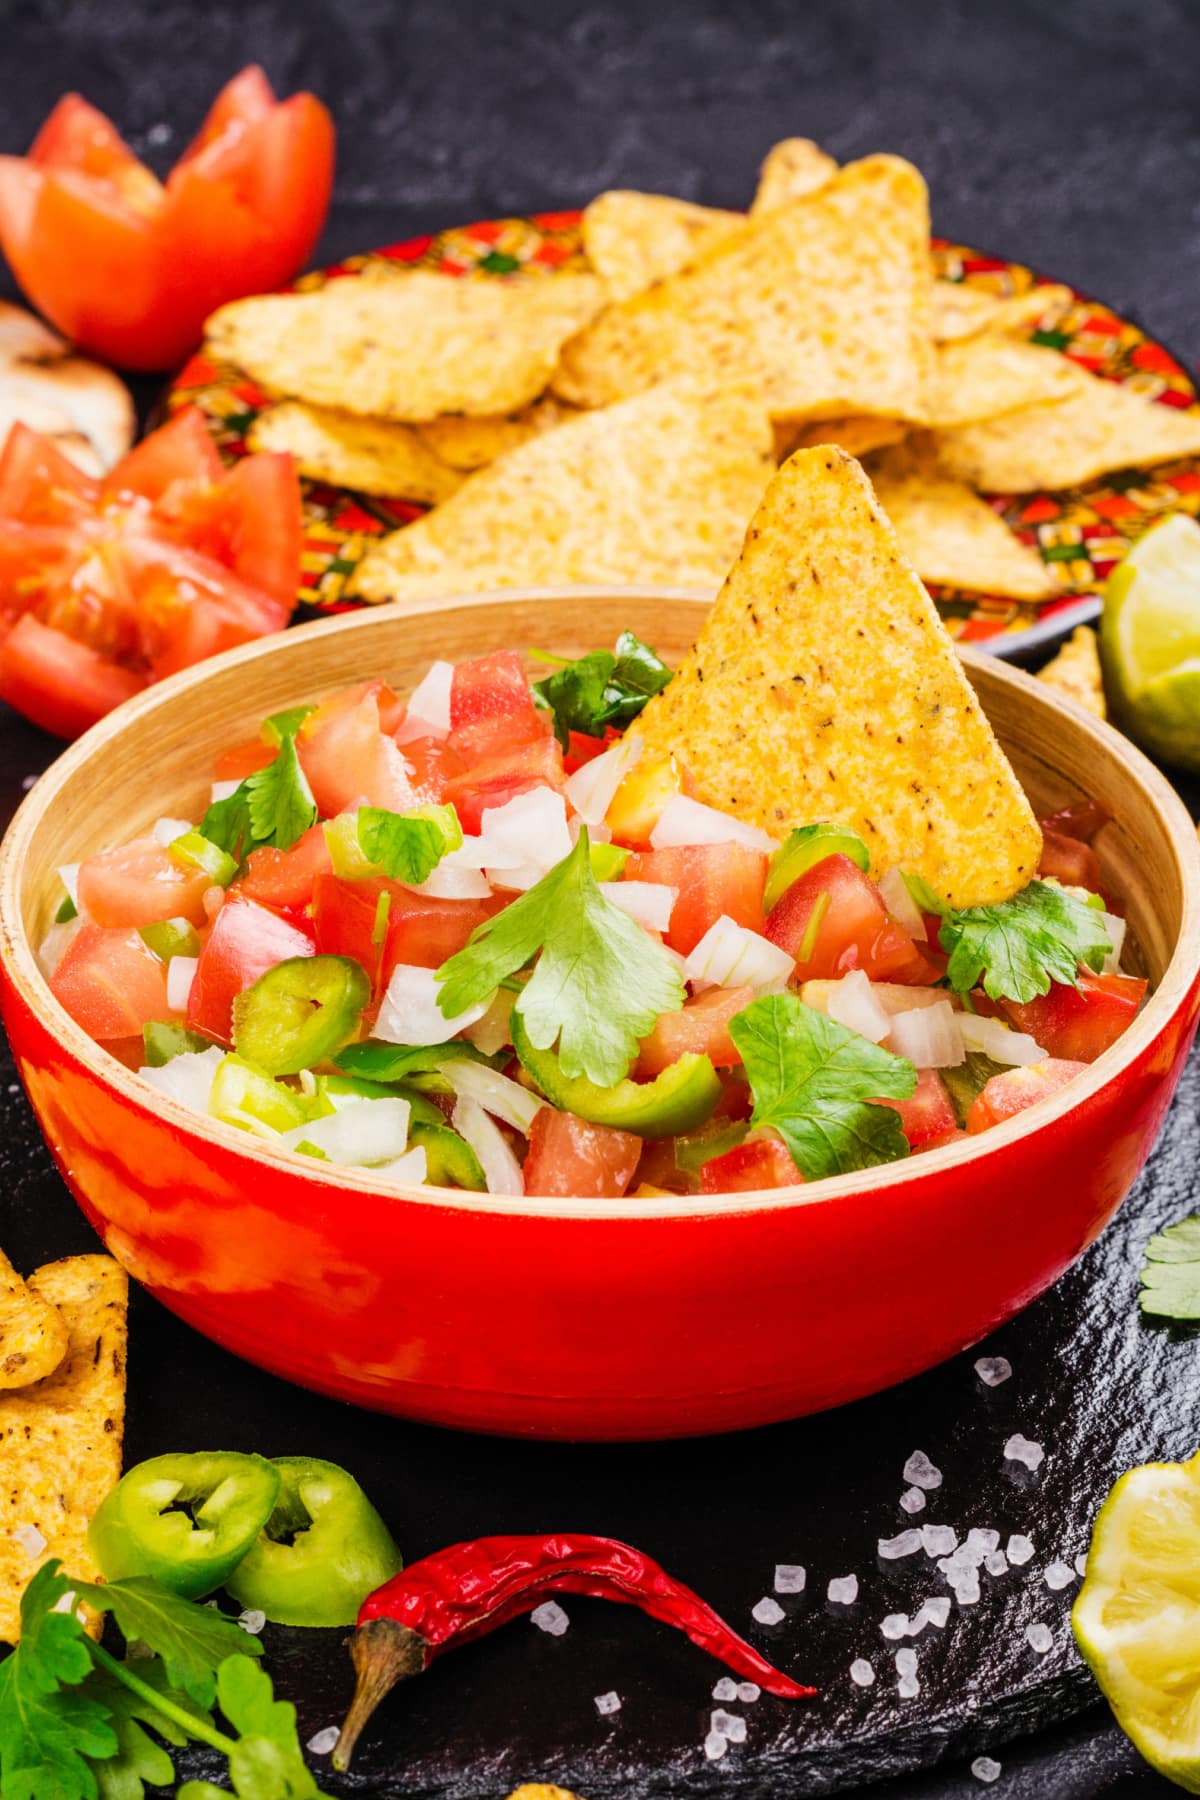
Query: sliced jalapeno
x,y
242,1095
192,850
186,1520
802,849
323,1549
163,1041
449,1159
170,937
300,1013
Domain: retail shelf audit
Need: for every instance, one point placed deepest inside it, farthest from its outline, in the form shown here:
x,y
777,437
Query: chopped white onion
x,y
929,1036
651,903
730,955
410,1013
428,713
454,883
518,880
221,790
68,874
505,1099
494,1031
372,1131
892,996
181,972
590,789
187,1078
165,831
684,821
501,1169
53,946
851,1002
1115,928
412,1168
999,1041
530,829
902,906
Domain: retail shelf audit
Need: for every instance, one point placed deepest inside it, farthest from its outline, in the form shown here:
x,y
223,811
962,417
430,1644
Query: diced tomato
x,y
928,1115
581,749
944,1138
62,685
571,1159
1079,1023
702,1026
243,759
853,929
181,451
712,879
348,759
490,687
1078,819
139,883
248,519
41,486
246,940
750,1167
110,983
1010,1093
417,929
501,778
433,766
1069,860
284,878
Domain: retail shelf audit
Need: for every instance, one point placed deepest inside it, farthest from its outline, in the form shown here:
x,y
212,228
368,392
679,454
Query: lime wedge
x,y
1150,641
1137,1616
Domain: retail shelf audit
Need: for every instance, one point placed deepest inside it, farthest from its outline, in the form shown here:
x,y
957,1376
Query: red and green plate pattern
x,y
1083,531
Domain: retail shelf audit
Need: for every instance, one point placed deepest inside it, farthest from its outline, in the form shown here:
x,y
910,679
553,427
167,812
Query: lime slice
x,y
1150,641
1137,1616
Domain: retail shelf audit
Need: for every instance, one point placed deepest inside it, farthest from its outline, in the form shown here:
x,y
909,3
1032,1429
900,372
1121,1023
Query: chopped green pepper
x,y
350,861
170,937
323,1549
713,1139
192,850
67,910
449,1159
300,1013
186,1520
243,1095
802,849
163,1041
423,1112
678,1100
608,860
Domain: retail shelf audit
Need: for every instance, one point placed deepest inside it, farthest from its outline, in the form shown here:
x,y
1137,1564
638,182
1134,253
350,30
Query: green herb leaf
x,y
813,1081
1171,1272
604,688
285,724
273,806
266,1763
408,846
192,1640
1020,946
48,1727
923,896
139,1758
599,984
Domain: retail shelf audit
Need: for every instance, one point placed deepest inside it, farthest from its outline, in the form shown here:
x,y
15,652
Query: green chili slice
x,y
300,1013
186,1520
193,850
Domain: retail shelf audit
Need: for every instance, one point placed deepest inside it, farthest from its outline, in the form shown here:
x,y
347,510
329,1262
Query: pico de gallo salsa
x,y
478,939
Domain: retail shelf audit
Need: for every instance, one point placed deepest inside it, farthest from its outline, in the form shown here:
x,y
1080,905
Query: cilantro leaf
x,y
192,1640
599,984
606,687
267,1764
408,846
273,806
813,1081
48,1727
285,724
1171,1272
138,1758
1021,945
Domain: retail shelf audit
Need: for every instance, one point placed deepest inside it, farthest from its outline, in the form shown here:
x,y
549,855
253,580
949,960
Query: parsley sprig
x,y
814,1082
274,806
76,1723
606,687
599,983
408,846
1020,946
1171,1272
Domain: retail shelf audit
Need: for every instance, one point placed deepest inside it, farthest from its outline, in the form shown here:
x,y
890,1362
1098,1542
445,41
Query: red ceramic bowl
x,y
591,1319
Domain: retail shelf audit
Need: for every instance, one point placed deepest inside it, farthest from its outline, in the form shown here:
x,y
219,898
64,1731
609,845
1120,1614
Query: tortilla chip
x,y
633,240
33,1334
960,311
791,169
60,1440
541,1790
373,456
410,347
473,443
656,490
950,535
986,376
823,686
1076,671
824,301
1099,428
856,436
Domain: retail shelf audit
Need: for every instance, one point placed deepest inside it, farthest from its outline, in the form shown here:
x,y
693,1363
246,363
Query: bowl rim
x,y
19,962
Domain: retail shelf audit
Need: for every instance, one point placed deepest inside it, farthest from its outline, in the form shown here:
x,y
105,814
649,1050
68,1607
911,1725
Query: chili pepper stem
x,y
383,1653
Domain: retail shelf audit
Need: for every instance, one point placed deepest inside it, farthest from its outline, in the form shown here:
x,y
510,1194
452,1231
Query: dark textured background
x,y
1067,135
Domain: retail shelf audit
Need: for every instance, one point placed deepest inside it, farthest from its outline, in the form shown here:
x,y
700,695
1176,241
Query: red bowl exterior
x,y
570,1321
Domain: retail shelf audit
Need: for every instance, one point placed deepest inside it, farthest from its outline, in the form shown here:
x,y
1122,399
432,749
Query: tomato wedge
x,y
130,267
572,1159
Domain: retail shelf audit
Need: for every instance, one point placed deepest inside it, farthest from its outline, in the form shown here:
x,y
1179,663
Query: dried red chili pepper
x,y
461,1593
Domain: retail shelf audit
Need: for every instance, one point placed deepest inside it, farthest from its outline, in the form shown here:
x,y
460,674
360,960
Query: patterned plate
x,y
1085,530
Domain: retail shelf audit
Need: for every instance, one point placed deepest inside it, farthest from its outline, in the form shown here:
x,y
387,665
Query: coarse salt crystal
x,y
767,1611
939,1540
789,1578
30,1539
27,782
322,1742
608,1703
861,1672
912,1500
932,1612
748,1692
1039,1638
550,1617
992,1370
843,1590
966,1589
921,1472
981,1541
984,1768
1081,1563
731,1726
906,1662
895,1625
715,1746
1023,1450
725,1689
908,1687
1019,1549
252,1620
906,1544
996,1563
1058,1575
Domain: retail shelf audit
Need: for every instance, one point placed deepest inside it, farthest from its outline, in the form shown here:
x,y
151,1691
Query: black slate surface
x,y
1066,135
